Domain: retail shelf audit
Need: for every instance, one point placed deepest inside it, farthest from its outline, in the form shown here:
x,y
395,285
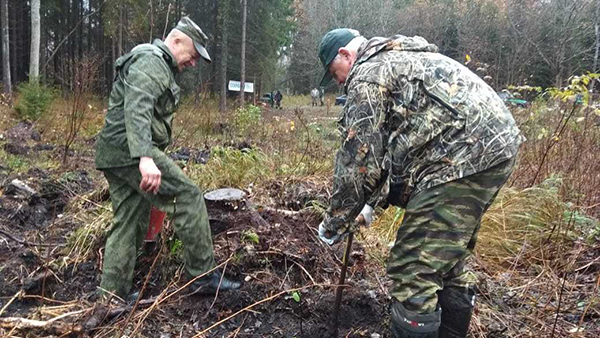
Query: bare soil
x,y
270,251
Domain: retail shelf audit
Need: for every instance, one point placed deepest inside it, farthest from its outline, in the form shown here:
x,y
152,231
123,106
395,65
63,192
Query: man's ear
x,y
343,51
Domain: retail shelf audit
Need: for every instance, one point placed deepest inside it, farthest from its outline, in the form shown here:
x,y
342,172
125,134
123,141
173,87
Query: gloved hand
x,y
367,216
329,237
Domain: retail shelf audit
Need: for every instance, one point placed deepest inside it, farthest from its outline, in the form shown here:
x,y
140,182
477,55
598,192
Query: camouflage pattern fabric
x,y
438,233
414,119
142,102
143,99
178,196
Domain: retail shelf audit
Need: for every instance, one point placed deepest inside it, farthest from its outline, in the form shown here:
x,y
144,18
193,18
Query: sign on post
x,y
234,86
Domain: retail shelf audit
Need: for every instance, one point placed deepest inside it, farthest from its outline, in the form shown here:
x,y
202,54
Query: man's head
x,y
187,43
337,51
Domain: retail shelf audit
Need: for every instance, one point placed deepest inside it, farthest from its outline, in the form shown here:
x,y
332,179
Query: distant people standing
x,y
315,96
278,98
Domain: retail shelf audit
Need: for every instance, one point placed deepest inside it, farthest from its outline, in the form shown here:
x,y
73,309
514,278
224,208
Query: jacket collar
x,y
167,55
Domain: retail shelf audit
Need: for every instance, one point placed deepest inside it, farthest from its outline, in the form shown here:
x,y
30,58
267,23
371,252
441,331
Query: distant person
x,y
130,153
278,98
315,96
322,96
419,131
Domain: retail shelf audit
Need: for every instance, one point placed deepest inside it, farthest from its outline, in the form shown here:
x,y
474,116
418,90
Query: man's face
x,y
186,54
340,67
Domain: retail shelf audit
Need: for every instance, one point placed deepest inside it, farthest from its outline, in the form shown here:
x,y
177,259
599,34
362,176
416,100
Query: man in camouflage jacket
x,y
422,132
129,152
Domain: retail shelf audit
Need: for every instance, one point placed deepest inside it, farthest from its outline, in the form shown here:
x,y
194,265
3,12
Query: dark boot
x,y
457,306
408,324
211,282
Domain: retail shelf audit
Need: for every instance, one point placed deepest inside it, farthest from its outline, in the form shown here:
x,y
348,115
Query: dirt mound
x,y
39,197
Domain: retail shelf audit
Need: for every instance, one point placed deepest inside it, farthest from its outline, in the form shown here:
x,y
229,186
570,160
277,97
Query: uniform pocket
x,y
172,102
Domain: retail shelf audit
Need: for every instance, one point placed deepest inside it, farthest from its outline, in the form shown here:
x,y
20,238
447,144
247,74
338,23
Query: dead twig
x,y
160,299
237,331
217,293
247,308
24,242
17,295
306,272
137,301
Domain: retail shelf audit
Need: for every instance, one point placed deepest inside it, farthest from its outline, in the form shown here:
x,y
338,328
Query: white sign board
x,y
234,86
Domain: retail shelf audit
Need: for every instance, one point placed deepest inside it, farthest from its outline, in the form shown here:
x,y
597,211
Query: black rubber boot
x,y
211,282
457,306
408,324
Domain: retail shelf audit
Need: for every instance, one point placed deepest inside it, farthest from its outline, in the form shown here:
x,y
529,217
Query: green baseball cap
x,y
328,49
189,28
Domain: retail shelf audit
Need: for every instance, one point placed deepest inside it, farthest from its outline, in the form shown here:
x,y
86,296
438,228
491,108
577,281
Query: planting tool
x,y
339,289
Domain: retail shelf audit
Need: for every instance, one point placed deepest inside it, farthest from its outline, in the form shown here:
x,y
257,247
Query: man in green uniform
x,y
129,152
422,132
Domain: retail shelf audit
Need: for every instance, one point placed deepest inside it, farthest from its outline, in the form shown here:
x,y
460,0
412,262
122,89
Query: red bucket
x,y
157,219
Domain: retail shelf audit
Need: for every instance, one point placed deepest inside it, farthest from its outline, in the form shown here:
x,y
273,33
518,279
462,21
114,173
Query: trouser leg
x,y
181,198
131,212
438,233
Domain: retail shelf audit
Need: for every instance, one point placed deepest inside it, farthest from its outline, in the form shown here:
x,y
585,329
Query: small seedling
x,y
296,296
250,236
176,246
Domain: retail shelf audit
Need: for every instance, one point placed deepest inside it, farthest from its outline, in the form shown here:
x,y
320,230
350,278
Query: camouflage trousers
x,y
437,234
178,196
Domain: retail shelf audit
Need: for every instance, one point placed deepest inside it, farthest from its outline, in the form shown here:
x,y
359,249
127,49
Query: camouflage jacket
x,y
143,99
413,119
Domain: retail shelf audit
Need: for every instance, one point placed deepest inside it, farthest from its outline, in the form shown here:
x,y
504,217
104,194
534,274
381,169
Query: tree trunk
x,y
151,21
223,21
34,61
597,31
5,48
14,29
243,59
121,18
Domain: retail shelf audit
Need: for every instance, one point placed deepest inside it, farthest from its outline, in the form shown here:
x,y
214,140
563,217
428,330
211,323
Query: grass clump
x,y
231,167
82,242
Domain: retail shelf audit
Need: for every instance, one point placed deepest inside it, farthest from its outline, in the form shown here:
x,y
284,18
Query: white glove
x,y
329,237
367,215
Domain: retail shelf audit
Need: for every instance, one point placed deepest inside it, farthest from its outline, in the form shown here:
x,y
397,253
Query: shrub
x,y
34,100
247,118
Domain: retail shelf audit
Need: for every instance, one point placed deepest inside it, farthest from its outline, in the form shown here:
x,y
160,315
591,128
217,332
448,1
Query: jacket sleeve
x,y
359,164
146,80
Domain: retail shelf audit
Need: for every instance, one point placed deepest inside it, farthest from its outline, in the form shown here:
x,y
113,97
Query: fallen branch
x,y
285,212
24,242
52,325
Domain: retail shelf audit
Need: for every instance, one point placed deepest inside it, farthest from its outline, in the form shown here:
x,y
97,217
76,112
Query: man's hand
x,y
150,175
329,237
366,216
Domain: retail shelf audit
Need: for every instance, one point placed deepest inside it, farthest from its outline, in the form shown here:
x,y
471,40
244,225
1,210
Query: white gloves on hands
x,y
367,215
365,218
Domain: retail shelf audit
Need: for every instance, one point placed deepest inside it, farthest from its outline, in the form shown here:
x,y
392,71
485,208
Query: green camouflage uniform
x,y
423,132
138,123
